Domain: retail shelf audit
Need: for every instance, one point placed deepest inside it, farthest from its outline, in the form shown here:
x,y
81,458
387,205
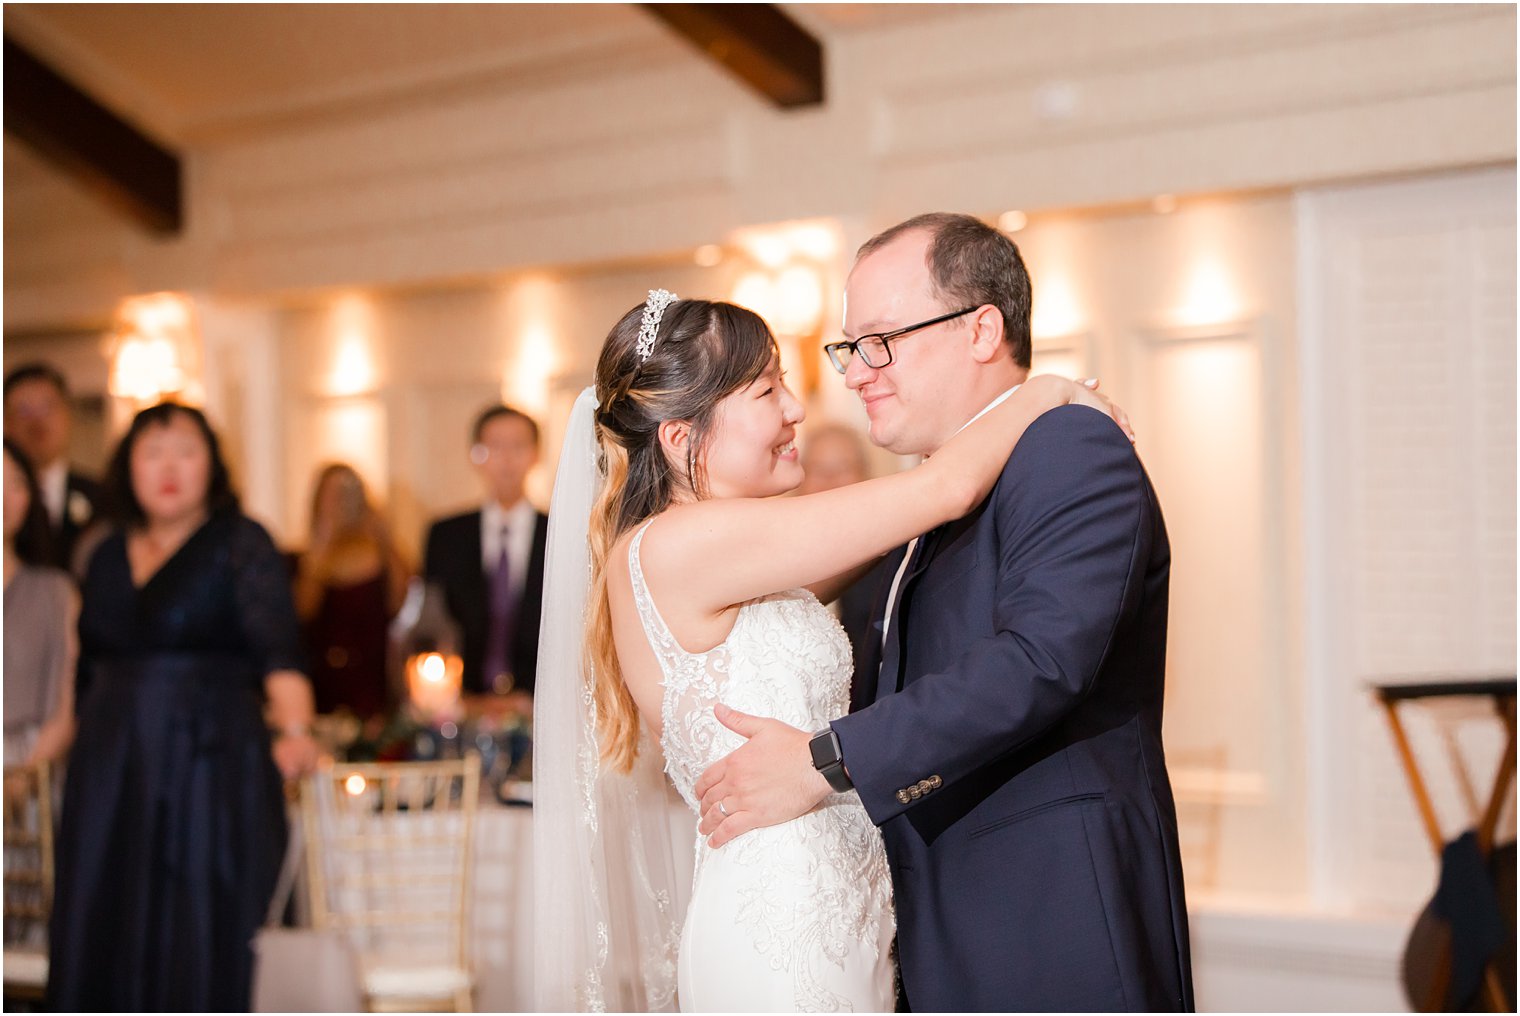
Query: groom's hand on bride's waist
x,y
767,780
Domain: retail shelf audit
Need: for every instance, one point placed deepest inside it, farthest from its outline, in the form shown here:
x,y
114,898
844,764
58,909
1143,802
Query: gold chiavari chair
x,y
28,878
388,865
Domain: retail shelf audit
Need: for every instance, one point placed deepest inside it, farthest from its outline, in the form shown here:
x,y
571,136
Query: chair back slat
x,y
389,850
28,842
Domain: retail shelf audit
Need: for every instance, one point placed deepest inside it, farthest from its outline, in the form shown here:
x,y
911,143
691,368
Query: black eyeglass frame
x,y
885,338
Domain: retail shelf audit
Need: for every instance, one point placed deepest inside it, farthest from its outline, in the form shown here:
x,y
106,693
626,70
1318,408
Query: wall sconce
x,y
154,350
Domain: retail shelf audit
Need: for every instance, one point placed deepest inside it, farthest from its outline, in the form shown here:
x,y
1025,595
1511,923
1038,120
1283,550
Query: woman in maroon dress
x,y
349,584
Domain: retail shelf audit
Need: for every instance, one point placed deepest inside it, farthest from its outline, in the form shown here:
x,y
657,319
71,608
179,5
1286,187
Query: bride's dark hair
x,y
704,351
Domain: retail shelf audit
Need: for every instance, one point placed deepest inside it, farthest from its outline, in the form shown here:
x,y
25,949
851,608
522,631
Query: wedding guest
x,y
349,584
834,455
490,562
38,420
41,607
174,817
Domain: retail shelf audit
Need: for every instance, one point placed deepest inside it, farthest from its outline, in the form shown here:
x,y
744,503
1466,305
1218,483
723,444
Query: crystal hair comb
x,y
649,325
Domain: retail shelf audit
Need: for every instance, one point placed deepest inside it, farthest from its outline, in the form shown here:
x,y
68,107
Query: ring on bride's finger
x,y
722,810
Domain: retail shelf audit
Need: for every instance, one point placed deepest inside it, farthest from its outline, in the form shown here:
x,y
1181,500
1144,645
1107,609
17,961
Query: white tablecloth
x,y
501,909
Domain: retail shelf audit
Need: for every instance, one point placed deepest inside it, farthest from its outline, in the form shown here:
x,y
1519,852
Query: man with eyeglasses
x,y
1011,749
489,563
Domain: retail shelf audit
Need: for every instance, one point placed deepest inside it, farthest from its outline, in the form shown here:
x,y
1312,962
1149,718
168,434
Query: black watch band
x,y
829,760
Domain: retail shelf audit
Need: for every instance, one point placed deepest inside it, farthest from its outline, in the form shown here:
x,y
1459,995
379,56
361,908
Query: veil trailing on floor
x,y
609,886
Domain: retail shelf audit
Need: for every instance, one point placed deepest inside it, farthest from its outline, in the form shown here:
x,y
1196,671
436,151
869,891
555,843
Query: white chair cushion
x,y
26,967
415,982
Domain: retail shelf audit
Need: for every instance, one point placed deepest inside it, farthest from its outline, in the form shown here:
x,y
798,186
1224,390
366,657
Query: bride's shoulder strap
x,y
655,628
636,561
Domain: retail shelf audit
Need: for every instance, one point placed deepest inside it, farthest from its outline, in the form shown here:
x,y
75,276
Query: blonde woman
x,y
349,584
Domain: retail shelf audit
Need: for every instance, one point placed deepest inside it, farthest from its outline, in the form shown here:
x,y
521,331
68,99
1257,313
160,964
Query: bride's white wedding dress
x,y
796,916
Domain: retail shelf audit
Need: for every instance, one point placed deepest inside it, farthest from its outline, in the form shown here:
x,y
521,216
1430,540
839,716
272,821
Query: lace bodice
x,y
787,658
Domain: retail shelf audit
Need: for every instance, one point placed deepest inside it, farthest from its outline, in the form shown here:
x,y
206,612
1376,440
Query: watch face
x,y
824,749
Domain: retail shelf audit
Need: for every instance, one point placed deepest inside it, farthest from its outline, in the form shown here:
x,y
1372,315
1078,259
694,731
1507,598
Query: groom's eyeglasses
x,y
876,350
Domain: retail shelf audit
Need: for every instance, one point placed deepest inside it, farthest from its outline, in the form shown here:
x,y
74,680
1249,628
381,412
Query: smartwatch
x,y
829,761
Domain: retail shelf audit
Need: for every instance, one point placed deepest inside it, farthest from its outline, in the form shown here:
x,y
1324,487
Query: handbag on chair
x,y
301,969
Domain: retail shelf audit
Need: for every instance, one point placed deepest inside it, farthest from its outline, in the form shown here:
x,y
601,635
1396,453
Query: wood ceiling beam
x,y
757,43
126,168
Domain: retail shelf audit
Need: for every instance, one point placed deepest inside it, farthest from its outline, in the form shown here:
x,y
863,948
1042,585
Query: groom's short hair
x,y
971,263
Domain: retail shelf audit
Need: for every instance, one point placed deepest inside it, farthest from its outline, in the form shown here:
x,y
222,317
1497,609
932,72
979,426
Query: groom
x,y
1011,753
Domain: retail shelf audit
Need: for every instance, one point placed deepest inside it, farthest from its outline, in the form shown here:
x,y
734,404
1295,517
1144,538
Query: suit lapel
x,y
890,677
473,543
868,652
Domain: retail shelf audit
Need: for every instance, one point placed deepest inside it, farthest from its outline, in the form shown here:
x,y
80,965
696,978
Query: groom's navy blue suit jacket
x,y
1012,755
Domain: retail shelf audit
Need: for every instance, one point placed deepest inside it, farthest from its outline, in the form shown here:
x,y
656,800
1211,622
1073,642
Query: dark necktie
x,y
497,674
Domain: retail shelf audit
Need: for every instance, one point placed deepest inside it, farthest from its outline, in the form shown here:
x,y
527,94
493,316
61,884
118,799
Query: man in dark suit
x,y
1012,755
489,563
38,419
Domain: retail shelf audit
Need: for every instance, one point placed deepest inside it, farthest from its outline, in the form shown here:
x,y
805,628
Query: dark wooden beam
x,y
758,43
125,167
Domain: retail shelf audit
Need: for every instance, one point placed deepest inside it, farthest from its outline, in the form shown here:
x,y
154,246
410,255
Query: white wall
x,y
999,106
1409,365
1189,319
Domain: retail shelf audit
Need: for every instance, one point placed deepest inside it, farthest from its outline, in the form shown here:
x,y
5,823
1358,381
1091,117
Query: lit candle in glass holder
x,y
433,682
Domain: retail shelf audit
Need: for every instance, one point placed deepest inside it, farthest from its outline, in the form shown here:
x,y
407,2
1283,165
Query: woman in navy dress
x,y
192,705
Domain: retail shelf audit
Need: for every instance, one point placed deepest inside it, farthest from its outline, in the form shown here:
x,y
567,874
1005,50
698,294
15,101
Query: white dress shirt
x,y
54,481
913,544
519,522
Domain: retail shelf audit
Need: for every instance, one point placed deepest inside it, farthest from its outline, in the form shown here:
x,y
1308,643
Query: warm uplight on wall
x,y
709,255
525,382
788,286
1057,310
814,240
352,370
1164,204
146,368
1209,296
798,294
791,302
757,291
529,322
769,249
154,350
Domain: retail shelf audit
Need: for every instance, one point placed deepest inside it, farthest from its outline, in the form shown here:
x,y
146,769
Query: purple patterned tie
x,y
497,674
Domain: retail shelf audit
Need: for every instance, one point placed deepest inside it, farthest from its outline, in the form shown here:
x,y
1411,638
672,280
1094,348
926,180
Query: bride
x,y
677,580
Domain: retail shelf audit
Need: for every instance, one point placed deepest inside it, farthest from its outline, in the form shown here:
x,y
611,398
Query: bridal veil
x,y
611,874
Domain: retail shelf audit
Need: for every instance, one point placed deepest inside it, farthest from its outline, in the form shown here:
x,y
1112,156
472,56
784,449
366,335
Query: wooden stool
x,y
1502,691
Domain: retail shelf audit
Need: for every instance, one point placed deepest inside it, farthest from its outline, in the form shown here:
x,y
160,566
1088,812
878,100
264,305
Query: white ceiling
x,y
194,72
